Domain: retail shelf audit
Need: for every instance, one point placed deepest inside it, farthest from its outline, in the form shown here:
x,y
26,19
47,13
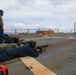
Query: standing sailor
x,y
1,27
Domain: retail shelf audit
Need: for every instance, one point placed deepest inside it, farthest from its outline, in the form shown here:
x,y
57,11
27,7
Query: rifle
x,y
42,48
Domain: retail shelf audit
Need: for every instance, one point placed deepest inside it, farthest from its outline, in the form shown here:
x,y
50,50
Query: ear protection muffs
x,y
1,12
32,44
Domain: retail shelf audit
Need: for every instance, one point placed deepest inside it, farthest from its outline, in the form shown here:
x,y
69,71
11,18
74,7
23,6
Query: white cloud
x,y
37,8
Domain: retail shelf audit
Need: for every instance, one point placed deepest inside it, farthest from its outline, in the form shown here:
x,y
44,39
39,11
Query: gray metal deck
x,y
61,61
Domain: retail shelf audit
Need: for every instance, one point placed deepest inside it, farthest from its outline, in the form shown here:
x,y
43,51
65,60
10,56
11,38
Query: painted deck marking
x,y
37,68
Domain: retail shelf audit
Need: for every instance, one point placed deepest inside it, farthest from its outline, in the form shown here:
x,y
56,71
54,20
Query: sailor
x,y
26,50
1,27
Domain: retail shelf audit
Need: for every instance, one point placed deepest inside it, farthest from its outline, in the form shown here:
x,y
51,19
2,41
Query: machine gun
x,y
42,48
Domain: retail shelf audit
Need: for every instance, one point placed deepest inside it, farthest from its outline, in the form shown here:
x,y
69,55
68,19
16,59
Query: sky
x,y
31,14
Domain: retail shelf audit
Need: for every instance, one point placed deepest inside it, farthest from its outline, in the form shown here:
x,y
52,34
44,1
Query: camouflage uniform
x,y
11,53
1,28
4,46
1,22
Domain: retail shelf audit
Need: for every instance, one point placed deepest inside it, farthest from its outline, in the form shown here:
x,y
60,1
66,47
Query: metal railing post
x,y
15,31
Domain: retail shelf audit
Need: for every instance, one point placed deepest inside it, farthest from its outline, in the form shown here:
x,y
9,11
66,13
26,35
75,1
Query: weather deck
x,y
59,61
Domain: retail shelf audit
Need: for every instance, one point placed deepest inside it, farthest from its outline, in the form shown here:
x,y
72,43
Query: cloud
x,y
37,8
40,8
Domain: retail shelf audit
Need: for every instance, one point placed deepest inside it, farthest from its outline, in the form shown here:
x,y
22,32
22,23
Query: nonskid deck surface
x,y
59,60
